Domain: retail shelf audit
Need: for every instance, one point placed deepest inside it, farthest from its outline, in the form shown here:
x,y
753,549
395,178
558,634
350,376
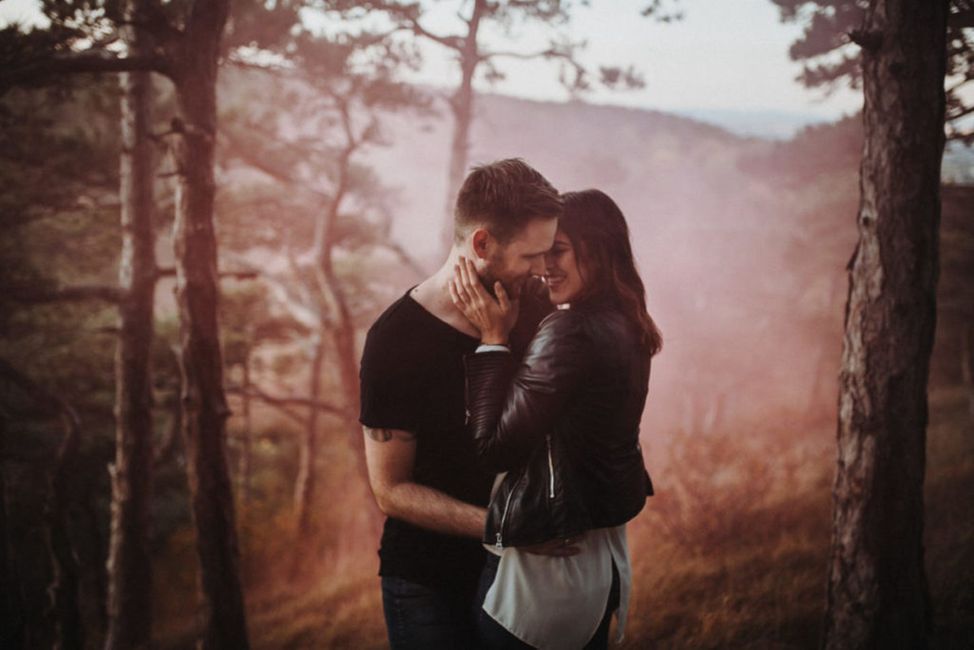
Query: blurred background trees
x,y
327,169
505,22
830,55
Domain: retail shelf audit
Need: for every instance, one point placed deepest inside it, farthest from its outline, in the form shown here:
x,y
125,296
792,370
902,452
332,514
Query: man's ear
x,y
480,242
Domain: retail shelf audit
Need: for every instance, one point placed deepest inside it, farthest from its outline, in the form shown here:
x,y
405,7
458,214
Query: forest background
x,y
331,174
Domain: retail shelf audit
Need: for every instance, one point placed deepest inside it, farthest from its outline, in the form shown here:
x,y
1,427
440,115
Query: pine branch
x,y
241,274
452,42
546,53
961,19
959,113
80,63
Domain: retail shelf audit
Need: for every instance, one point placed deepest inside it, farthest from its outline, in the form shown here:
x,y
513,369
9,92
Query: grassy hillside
x,y
743,245
755,579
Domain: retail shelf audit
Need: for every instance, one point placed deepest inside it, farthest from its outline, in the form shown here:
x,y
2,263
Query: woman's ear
x,y
480,242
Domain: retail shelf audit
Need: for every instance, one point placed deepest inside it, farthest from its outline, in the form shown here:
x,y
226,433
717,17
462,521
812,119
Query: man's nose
x,y
538,265
549,262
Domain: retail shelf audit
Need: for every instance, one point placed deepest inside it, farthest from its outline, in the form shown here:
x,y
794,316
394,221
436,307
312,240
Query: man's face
x,y
521,257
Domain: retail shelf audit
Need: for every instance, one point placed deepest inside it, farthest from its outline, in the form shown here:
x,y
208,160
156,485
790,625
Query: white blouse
x,y
555,603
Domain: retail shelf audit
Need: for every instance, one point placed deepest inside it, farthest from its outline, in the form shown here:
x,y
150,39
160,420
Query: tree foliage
x,y
829,50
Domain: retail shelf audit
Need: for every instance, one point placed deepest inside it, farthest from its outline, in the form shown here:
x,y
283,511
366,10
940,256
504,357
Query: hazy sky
x,y
723,55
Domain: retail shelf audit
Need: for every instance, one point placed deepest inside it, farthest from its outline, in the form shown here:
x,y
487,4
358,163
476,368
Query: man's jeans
x,y
420,618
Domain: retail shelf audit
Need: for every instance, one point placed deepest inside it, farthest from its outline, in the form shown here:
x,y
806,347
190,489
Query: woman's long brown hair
x,y
599,234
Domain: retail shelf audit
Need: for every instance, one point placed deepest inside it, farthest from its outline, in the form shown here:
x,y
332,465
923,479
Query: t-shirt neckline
x,y
436,318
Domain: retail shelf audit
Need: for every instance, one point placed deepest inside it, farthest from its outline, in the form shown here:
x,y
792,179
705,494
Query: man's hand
x,y
493,318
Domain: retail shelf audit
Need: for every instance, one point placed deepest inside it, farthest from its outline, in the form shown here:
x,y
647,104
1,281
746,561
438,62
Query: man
x,y
422,466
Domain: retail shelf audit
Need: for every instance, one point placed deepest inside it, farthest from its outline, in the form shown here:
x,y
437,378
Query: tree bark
x,y
63,589
335,323
129,563
336,316
11,605
462,107
97,560
967,365
244,467
877,593
307,481
824,373
205,410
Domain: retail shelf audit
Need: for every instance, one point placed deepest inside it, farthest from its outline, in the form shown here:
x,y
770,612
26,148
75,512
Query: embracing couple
x,y
501,416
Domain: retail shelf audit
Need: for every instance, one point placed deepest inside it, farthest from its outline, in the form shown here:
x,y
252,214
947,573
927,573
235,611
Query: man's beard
x,y
513,290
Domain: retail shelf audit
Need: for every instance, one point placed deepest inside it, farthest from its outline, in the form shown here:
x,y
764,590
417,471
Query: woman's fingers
x,y
472,279
461,271
472,291
460,284
454,294
470,287
502,300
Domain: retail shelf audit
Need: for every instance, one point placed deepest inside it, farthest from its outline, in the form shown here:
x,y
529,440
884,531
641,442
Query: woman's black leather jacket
x,y
564,425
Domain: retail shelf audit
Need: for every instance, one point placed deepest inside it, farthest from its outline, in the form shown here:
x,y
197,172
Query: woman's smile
x,y
553,281
562,275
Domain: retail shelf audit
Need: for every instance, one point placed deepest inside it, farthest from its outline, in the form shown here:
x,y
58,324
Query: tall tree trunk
x,y
65,581
205,409
129,564
877,594
11,604
97,559
967,364
462,107
337,326
341,325
824,372
63,589
333,302
307,481
245,461
246,451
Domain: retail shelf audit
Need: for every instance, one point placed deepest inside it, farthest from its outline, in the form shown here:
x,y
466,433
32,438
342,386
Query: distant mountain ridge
x,y
767,124
684,168
638,156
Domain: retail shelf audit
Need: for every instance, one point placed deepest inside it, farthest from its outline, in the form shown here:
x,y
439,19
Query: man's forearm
x,y
390,455
429,508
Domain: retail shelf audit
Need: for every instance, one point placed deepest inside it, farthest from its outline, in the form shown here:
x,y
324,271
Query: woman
x,y
563,429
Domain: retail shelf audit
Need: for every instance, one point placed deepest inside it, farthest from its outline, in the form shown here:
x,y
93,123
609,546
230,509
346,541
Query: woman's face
x,y
562,274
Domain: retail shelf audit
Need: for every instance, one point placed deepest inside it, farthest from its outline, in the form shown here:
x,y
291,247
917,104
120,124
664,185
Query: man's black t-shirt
x,y
412,378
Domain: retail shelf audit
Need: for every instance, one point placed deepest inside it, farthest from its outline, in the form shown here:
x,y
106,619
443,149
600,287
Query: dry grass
x,y
343,611
754,577
764,590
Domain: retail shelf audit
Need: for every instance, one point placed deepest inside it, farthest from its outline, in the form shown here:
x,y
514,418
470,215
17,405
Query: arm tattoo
x,y
385,435
379,435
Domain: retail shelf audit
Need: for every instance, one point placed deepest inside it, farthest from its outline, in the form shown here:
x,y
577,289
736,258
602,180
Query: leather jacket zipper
x,y
551,469
499,540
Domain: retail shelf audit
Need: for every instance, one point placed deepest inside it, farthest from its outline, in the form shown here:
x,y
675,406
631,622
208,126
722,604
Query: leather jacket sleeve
x,y
511,409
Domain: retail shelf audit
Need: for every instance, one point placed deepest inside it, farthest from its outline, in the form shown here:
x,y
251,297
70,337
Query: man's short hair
x,y
503,196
